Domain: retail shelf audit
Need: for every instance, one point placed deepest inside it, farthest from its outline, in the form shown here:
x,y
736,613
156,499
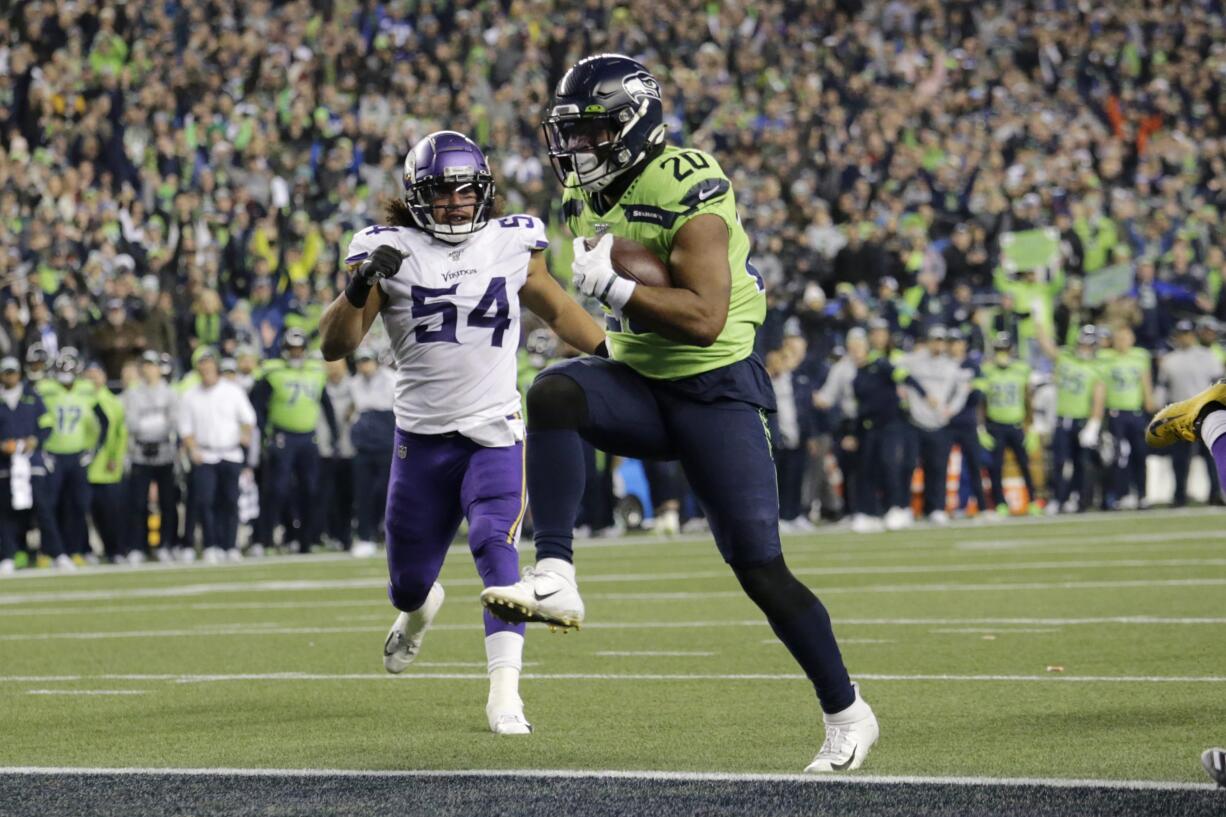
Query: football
x,y
634,261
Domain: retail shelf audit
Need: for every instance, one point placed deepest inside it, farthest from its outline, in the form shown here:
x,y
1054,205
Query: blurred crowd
x,y
177,176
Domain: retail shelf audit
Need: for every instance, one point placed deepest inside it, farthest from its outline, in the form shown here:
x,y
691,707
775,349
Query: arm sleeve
x,y
104,424
325,402
184,419
261,395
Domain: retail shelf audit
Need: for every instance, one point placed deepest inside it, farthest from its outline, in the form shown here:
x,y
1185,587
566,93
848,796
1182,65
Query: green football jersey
x,y
297,392
1004,389
675,186
1076,379
1123,374
73,425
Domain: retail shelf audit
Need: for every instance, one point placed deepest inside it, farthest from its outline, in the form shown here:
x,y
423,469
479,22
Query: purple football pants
x,y
436,481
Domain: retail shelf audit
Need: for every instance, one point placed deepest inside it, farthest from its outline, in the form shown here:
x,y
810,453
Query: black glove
x,y
384,262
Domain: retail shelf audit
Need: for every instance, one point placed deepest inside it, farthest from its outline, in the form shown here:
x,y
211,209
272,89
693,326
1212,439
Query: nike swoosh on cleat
x,y
539,597
839,767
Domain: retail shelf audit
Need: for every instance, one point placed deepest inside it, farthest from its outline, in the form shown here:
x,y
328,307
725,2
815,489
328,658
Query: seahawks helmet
x,y
441,163
36,361
294,340
67,365
606,117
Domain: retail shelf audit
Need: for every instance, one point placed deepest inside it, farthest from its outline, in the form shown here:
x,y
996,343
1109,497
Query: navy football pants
x,y
723,448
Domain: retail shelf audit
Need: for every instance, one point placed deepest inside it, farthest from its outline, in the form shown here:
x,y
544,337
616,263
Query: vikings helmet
x,y
606,117
443,162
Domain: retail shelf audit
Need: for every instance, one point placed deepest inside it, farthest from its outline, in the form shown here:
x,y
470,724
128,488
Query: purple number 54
x,y
493,311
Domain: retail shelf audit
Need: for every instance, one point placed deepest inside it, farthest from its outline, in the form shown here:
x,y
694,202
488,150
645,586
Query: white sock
x,y
559,566
1212,427
504,655
858,710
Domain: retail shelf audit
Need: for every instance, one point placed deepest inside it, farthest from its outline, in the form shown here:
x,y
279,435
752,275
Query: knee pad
x,y
778,593
556,403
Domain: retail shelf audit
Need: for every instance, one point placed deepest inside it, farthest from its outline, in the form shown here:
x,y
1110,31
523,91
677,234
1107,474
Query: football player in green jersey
x,y
289,399
682,382
1005,384
1079,410
1125,369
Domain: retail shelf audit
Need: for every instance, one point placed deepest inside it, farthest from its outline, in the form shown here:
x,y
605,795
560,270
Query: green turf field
x,y
954,634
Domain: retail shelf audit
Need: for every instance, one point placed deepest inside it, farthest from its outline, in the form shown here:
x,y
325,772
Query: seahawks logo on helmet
x,y
640,85
606,118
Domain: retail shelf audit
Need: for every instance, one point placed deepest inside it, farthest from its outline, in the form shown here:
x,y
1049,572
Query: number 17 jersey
x,y
452,314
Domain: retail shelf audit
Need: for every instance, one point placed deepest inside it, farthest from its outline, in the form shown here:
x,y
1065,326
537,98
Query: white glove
x,y
594,275
1089,434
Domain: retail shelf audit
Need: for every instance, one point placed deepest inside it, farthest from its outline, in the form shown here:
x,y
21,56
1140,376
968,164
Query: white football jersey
x,y
452,314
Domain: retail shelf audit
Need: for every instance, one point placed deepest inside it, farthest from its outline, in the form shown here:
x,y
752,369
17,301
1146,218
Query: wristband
x,y
617,294
357,291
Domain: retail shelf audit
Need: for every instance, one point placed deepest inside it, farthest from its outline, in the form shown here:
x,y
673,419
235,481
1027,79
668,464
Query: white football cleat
x,y
509,721
668,523
65,562
137,557
898,518
1214,761
863,523
546,593
849,736
404,639
7,567
938,518
363,549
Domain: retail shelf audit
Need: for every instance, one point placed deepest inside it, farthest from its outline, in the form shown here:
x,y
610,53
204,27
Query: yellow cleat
x,y
1181,421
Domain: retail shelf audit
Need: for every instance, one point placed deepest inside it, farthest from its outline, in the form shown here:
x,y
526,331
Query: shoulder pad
x,y
365,241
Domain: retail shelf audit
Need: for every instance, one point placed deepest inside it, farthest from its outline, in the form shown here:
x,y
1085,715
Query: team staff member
x,y
150,405
72,412
336,458
108,499
21,435
963,428
216,421
1005,383
1079,410
288,399
1130,396
374,427
1186,372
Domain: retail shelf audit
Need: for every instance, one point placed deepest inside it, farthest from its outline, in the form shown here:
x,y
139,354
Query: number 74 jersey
x,y
452,314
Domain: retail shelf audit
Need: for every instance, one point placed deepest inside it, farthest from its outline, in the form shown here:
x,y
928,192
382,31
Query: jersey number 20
x,y
493,311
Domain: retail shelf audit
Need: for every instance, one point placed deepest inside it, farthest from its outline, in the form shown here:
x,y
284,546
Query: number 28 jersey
x,y
452,314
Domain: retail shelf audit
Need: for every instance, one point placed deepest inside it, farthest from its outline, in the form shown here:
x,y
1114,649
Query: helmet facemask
x,y
589,150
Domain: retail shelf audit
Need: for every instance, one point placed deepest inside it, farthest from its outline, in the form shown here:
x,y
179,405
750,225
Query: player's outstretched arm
x,y
544,296
695,308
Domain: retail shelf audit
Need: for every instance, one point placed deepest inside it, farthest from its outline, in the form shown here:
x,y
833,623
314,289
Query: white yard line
x,y
86,691
302,585
620,676
653,653
276,630
579,774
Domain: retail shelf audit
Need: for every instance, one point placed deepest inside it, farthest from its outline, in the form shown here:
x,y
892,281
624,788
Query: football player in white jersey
x,y
449,278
